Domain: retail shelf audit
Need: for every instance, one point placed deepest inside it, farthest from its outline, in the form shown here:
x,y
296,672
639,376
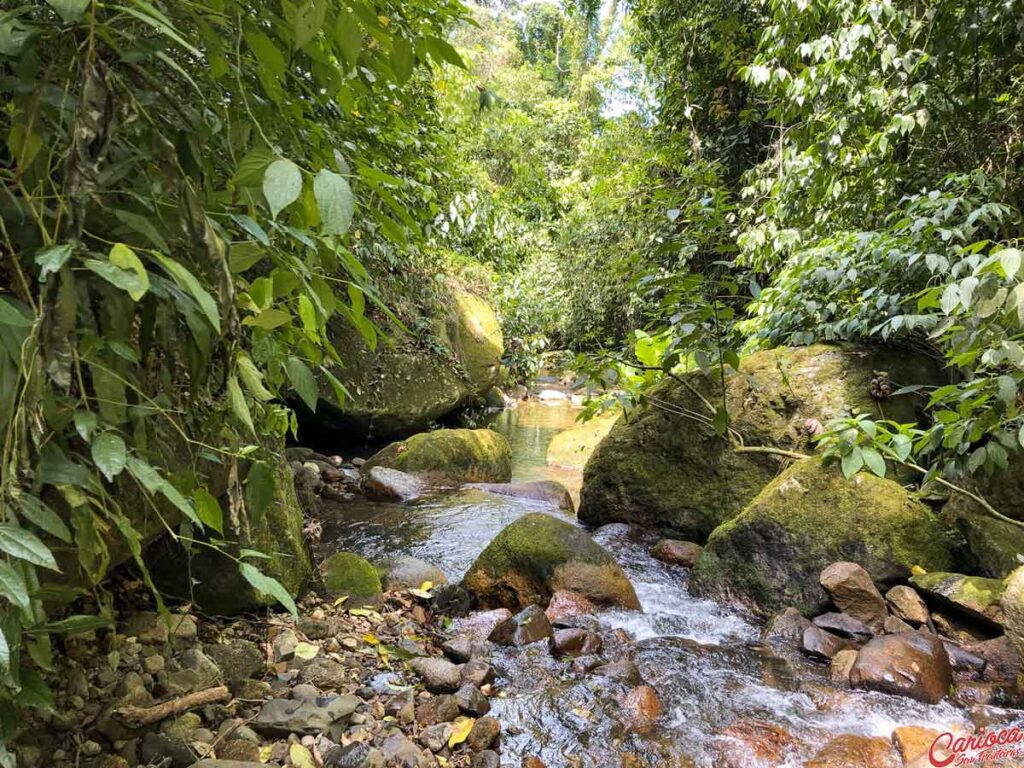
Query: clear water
x,y
704,659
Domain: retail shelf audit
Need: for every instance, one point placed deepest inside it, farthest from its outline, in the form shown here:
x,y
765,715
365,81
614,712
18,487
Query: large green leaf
x,y
253,379
402,59
10,314
335,200
348,37
74,625
268,319
268,586
109,454
259,489
123,257
236,400
303,381
37,512
209,511
187,280
282,185
50,260
125,279
308,21
24,545
12,586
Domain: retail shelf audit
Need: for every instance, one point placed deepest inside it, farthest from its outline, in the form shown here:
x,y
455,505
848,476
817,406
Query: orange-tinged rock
x,y
913,742
750,742
853,751
641,707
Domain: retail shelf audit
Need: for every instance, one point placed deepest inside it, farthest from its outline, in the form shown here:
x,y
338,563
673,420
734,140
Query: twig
x,y
138,717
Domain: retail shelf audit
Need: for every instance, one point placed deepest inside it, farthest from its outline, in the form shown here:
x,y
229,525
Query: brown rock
x,y
913,664
894,625
483,734
966,665
684,553
750,742
574,642
852,751
974,693
844,626
239,749
854,593
906,604
820,644
839,669
437,709
478,672
533,762
1002,662
786,627
641,707
568,605
913,742
480,625
530,625
439,675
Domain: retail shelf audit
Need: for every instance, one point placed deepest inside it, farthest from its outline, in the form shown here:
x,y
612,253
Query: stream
x,y
704,659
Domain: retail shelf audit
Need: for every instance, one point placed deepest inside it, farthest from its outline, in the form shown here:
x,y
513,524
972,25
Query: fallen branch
x,y
769,450
139,717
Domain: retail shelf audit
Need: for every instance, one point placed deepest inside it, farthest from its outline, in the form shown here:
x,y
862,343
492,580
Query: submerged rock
x,y
543,491
810,516
537,555
450,456
346,573
664,470
750,742
913,664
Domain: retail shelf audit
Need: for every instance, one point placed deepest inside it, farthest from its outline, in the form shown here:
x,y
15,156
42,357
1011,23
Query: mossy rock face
x,y
660,469
772,554
348,574
538,555
221,589
403,388
975,596
574,446
450,456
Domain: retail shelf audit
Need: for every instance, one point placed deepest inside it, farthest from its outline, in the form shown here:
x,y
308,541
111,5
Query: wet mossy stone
x,y
348,574
772,554
477,340
974,596
539,554
660,469
450,456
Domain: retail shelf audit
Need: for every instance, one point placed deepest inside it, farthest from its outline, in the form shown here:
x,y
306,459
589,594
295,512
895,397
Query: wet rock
x,y
346,573
439,675
452,600
402,706
907,605
820,644
462,648
965,665
851,589
1002,662
565,605
399,750
436,709
572,447
237,660
480,625
484,733
435,737
622,670
450,456
542,491
912,664
749,742
357,755
472,701
486,759
530,625
844,626
539,554
280,717
839,669
854,751
477,672
391,485
786,628
641,707
574,642
975,596
584,664
975,693
411,573
684,553
913,742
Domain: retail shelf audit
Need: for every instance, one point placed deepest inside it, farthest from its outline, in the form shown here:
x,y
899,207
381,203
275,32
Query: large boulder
x,y
346,574
664,469
913,664
1013,609
772,554
539,554
975,596
400,388
571,448
449,456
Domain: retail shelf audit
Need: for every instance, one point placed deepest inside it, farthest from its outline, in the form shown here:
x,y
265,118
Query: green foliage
x,y
190,194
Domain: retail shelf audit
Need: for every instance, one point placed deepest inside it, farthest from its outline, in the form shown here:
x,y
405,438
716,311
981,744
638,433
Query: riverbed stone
x,y
839,668
913,742
480,625
856,751
281,717
975,596
1002,662
574,641
539,554
530,625
845,626
450,456
483,734
410,573
471,701
907,605
548,492
684,553
237,660
662,469
388,484
819,644
1013,609
913,664
786,627
439,675
477,672
773,554
348,574
749,742
565,606
852,590
437,709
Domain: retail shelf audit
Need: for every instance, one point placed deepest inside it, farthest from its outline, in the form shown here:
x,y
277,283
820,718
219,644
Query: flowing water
x,y
704,659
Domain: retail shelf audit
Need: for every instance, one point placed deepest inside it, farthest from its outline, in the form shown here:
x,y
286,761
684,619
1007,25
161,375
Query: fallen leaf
x,y
460,730
426,586
340,600
421,593
370,639
306,651
301,757
265,753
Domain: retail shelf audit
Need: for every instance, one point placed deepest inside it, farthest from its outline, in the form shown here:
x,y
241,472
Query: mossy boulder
x,y
974,596
347,574
572,447
447,456
662,469
537,555
405,384
772,554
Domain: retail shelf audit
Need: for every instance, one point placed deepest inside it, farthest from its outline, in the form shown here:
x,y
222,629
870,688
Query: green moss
x,y
976,593
663,469
477,340
451,455
346,573
772,554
